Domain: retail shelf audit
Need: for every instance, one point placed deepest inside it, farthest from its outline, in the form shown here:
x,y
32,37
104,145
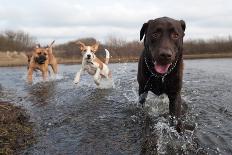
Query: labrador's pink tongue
x,y
162,69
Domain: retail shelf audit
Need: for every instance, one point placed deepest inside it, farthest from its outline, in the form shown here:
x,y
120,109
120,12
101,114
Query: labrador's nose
x,y
165,53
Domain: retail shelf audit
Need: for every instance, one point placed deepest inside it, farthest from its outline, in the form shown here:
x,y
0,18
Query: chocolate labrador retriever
x,y
160,67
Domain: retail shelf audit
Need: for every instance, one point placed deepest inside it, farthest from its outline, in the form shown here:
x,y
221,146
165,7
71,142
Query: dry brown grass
x,y
15,129
208,56
112,60
12,59
69,61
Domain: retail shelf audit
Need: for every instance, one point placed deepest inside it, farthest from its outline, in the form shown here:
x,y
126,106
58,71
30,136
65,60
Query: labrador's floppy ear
x,y
95,47
143,30
81,45
183,25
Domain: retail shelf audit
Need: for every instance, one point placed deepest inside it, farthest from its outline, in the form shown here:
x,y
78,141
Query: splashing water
x,y
106,84
84,119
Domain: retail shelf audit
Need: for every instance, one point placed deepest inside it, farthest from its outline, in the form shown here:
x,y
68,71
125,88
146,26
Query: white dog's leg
x,y
106,72
77,78
97,77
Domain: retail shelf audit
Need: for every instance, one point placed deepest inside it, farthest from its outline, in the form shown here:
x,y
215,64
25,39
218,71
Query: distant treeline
x,y
16,41
21,41
120,48
117,47
211,46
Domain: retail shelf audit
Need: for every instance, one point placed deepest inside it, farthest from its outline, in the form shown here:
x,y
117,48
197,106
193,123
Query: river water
x,y
90,120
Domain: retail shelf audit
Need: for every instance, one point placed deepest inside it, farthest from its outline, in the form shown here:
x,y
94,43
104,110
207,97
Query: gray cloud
x,y
71,19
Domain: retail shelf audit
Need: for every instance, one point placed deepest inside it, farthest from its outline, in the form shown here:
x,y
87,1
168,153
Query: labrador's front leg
x,y
175,109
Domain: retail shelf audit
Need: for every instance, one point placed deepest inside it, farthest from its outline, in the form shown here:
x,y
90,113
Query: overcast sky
x,y
66,20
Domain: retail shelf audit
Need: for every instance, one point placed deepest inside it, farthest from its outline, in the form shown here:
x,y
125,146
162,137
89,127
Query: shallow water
x,y
85,119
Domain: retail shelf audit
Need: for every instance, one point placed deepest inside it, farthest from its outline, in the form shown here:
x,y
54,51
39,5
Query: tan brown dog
x,y
40,59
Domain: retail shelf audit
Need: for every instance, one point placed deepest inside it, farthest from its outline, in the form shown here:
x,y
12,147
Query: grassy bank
x,y
208,56
15,129
21,60
112,60
8,59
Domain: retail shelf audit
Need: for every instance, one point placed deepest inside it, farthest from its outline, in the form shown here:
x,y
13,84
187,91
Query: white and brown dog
x,y
92,64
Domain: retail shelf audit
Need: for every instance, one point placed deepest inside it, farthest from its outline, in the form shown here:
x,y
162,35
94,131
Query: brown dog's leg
x,y
45,74
29,75
54,68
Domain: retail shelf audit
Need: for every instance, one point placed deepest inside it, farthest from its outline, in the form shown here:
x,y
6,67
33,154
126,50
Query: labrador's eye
x,y
175,35
39,53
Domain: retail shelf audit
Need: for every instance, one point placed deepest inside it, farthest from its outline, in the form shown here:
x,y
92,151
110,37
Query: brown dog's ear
x,y
143,30
28,56
183,25
37,46
81,45
51,44
95,47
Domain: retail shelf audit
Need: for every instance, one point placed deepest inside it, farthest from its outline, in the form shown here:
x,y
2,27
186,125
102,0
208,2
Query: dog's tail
x,y
107,56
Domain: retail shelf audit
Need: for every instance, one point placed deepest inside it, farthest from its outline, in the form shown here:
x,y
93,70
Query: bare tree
x,y
16,41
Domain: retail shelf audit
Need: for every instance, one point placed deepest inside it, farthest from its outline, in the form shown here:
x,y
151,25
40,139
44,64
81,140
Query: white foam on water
x,y
167,136
157,105
106,84
131,94
37,78
84,84
56,77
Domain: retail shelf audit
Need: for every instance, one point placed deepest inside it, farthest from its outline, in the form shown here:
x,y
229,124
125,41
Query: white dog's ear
x,y
81,45
95,47
51,44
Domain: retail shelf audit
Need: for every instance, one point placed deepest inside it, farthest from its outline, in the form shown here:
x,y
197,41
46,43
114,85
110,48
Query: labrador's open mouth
x,y
162,69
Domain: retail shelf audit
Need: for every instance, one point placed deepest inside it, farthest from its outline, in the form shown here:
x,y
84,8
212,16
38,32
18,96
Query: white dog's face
x,y
88,52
